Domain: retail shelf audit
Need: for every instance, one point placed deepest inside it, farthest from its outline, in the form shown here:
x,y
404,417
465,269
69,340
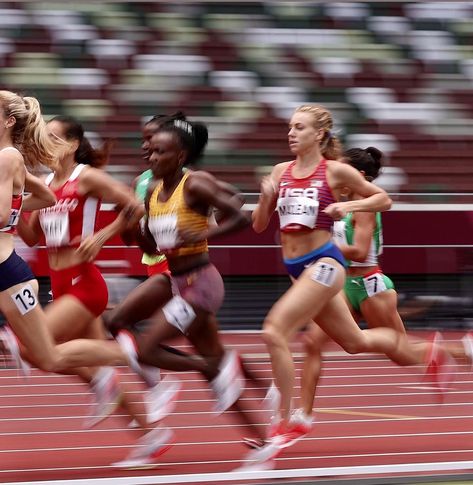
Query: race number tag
x,y
298,210
164,231
12,221
179,313
374,284
25,299
55,227
324,274
339,233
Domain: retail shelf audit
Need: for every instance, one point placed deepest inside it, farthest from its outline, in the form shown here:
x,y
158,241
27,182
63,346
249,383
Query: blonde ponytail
x,y
29,133
38,146
330,145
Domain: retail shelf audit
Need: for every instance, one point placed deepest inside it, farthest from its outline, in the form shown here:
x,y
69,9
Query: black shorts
x,y
14,270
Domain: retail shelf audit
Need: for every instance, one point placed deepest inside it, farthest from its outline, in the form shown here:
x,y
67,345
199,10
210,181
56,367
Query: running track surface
x,y
374,419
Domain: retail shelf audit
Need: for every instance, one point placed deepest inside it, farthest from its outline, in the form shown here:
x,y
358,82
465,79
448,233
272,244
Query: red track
x,y
373,418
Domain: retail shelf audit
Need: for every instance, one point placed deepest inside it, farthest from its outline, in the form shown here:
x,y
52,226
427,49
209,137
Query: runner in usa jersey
x,y
305,193
302,201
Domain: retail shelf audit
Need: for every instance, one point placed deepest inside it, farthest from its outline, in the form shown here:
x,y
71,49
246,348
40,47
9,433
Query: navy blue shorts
x,y
295,266
14,270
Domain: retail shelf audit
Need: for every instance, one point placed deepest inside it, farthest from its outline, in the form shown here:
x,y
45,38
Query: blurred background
x,y
395,75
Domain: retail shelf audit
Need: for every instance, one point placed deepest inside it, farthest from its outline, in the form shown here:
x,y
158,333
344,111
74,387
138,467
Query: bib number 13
x,y
25,299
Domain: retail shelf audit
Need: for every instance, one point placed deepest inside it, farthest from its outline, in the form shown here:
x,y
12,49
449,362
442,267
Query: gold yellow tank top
x,y
167,218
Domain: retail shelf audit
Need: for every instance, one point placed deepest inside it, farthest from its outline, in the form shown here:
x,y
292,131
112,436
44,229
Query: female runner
x,y
305,192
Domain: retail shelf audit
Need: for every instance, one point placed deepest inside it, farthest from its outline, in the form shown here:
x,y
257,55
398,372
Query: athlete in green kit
x,y
156,263
367,280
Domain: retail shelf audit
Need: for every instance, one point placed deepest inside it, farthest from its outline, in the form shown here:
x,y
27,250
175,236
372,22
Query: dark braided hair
x,y
163,118
193,137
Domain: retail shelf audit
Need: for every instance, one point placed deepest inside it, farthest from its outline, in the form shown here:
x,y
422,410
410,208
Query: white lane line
x,y
320,396
342,370
398,407
266,474
282,459
229,442
373,420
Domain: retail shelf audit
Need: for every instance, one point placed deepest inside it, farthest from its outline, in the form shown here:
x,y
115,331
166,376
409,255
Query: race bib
x,y
12,221
374,284
164,231
339,233
25,299
324,273
55,227
298,210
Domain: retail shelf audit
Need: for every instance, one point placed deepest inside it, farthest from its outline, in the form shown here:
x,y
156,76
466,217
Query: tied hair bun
x,y
376,154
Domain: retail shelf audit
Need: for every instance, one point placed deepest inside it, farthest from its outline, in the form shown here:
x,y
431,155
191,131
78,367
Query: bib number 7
x,y
374,284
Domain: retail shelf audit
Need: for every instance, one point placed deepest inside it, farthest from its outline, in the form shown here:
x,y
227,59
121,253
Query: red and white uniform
x,y
66,224
74,215
301,201
15,208
16,203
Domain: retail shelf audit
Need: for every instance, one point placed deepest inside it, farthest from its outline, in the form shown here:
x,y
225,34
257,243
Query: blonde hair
x,y
29,133
330,145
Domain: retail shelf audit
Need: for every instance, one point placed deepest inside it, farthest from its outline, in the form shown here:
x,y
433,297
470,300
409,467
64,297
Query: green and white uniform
x,y
141,189
358,288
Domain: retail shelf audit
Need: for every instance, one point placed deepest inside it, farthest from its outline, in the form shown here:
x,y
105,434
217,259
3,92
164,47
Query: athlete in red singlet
x,y
78,287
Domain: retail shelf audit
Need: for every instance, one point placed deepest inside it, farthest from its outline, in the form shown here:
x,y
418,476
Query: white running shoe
x,y
272,399
10,344
261,456
151,446
228,385
104,385
467,341
127,342
161,399
151,375
133,424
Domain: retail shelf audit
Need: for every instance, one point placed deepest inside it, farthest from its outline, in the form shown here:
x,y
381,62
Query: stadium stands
x,y
395,74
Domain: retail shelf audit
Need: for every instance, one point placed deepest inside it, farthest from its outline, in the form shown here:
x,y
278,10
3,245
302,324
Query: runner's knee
x,y
272,335
355,346
51,363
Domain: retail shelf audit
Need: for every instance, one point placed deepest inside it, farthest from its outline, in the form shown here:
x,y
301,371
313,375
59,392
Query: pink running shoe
x,y
441,367
298,427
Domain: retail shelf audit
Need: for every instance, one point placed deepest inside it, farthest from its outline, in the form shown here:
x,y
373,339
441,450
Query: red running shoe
x,y
441,367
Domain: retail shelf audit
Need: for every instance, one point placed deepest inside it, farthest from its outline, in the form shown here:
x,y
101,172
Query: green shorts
x,y
358,288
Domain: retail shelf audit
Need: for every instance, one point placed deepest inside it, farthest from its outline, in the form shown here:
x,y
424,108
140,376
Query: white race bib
x,y
298,210
25,299
55,227
164,231
374,284
339,233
